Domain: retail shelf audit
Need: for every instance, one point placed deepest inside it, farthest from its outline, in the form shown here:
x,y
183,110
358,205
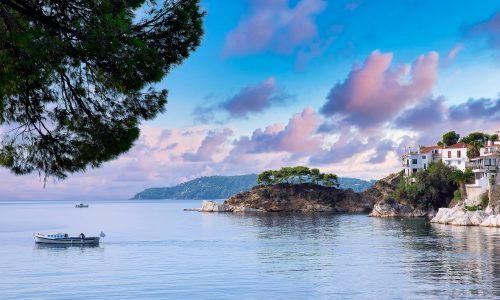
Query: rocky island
x,y
300,189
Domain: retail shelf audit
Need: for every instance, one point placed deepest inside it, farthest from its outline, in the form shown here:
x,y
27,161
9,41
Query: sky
x,y
339,85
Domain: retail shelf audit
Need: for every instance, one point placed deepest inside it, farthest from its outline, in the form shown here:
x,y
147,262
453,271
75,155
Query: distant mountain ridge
x,y
222,187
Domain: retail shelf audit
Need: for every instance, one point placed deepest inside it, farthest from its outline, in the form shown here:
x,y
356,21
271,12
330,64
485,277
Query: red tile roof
x,y
429,149
459,145
455,146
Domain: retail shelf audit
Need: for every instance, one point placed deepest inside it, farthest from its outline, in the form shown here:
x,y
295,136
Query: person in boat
x,y
82,236
65,235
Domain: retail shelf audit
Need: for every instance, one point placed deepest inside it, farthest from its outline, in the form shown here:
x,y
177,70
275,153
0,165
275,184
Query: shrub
x,y
473,207
485,200
434,187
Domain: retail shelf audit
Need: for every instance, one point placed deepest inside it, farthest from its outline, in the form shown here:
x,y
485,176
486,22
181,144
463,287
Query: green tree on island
x,y
298,174
330,180
76,77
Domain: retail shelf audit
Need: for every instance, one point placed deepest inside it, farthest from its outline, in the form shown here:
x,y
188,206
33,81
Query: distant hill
x,y
210,187
222,187
357,185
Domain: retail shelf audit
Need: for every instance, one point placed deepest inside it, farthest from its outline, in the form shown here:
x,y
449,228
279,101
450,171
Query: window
x,y
414,171
424,157
414,161
425,166
459,162
459,154
449,154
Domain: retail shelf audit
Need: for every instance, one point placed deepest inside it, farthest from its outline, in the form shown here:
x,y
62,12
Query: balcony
x,y
480,167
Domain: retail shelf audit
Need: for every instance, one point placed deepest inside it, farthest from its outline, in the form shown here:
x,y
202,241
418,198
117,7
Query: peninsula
x,y
293,189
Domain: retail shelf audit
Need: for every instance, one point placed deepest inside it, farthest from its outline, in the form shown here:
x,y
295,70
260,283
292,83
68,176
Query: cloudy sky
x,y
338,85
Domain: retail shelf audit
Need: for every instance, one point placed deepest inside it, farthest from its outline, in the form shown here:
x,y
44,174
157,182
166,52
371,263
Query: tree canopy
x,y
450,138
298,174
479,137
461,178
76,77
434,187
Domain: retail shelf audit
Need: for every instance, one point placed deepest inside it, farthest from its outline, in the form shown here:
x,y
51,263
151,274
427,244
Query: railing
x,y
475,166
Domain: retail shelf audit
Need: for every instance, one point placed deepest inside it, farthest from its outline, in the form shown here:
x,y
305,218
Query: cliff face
x,y
301,197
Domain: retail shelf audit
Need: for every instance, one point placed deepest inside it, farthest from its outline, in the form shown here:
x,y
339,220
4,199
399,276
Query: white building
x,y
455,156
486,168
420,160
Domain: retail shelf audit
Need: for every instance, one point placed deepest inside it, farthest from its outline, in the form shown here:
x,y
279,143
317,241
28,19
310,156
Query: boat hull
x,y
67,241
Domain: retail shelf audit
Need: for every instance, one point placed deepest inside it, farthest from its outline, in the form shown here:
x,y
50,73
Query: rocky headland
x,y
378,201
305,197
387,207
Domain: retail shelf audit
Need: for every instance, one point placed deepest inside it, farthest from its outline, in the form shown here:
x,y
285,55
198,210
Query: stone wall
x,y
473,195
494,195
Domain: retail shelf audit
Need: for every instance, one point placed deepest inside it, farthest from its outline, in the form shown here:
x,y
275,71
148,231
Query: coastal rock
x,y
309,197
240,209
212,206
394,209
459,216
491,221
386,206
304,197
494,200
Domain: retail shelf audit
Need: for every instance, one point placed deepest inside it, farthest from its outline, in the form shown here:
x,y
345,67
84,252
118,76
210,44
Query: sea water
x,y
155,250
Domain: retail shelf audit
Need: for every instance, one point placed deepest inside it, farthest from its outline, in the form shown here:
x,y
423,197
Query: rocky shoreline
x,y
376,201
460,216
391,210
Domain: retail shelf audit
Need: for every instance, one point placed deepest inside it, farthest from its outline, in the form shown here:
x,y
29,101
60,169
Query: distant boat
x,y
64,239
81,205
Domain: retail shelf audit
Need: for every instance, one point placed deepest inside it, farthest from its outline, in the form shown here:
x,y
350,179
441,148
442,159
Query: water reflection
x,y
463,261
298,226
436,260
64,246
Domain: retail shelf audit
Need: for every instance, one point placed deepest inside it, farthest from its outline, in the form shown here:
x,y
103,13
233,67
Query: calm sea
x,y
155,250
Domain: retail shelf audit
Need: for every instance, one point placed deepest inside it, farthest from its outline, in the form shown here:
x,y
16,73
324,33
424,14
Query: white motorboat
x,y
64,239
81,205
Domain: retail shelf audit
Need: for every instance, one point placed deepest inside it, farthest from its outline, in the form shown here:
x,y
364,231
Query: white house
x,y
455,156
486,168
415,161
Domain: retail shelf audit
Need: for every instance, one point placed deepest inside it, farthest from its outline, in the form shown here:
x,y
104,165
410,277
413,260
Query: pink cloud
x,y
249,100
347,146
454,52
425,115
210,146
254,99
297,137
274,25
375,92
